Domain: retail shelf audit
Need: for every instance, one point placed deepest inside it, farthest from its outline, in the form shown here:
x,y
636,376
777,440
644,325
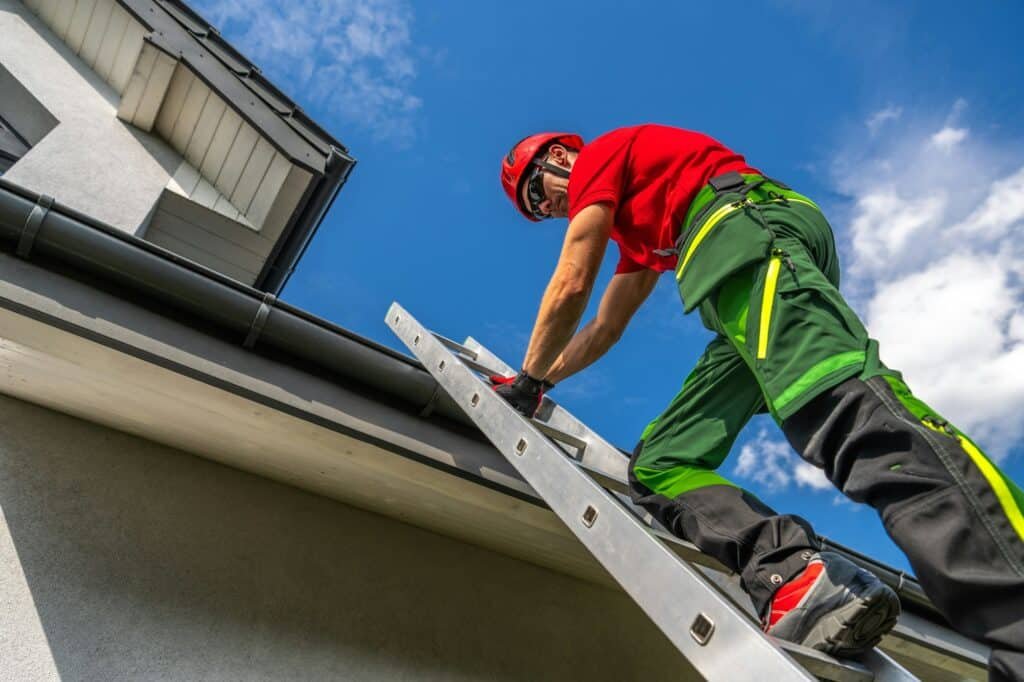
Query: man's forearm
x,y
560,312
622,297
567,293
585,348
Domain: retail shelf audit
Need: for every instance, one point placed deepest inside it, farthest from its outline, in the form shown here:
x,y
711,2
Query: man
x,y
759,262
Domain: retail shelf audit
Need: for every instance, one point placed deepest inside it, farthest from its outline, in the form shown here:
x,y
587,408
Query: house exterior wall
x,y
124,559
90,160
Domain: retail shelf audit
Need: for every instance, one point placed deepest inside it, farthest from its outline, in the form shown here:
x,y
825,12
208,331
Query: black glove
x,y
522,391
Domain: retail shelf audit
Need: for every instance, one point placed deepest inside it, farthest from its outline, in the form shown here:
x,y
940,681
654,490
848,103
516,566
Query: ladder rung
x,y
561,436
466,355
476,366
456,346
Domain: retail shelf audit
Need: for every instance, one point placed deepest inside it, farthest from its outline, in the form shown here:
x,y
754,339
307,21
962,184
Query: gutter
x,y
38,228
252,317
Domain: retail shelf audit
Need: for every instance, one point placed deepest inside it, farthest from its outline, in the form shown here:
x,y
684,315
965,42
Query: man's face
x,y
553,189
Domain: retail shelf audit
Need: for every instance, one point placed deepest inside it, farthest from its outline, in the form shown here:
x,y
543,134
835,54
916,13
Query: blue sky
x,y
902,122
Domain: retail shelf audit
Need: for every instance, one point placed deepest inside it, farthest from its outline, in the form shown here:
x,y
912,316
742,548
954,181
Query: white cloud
x,y
1002,210
887,223
354,57
1016,327
948,138
774,466
841,501
937,271
879,118
957,110
807,475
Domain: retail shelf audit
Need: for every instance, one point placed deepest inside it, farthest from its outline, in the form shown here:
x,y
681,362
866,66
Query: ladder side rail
x,y
712,634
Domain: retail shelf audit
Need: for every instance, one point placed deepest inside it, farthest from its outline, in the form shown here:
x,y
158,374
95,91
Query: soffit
x,y
253,155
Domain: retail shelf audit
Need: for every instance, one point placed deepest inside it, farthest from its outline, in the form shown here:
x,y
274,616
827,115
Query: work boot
x,y
833,606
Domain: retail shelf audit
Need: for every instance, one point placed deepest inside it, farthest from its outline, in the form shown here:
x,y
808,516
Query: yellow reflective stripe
x,y
806,202
995,480
767,302
710,223
718,215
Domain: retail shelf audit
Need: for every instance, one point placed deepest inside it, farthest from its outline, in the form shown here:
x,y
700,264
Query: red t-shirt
x,y
650,175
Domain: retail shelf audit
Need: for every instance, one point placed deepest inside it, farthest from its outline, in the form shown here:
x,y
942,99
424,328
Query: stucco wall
x,y
123,559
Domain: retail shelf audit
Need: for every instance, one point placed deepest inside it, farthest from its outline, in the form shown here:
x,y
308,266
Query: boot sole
x,y
857,627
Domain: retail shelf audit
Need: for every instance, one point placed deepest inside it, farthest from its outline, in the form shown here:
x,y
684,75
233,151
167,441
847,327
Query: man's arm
x,y
621,299
567,293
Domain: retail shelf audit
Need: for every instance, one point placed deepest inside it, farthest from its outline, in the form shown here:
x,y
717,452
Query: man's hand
x,y
522,391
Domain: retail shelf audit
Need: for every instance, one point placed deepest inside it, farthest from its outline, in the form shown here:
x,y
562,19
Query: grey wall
x,y
122,559
23,111
90,161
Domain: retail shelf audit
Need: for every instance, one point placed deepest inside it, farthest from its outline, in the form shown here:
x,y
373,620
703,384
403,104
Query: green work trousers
x,y
763,272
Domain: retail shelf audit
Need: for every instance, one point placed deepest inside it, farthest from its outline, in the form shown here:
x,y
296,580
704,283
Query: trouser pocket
x,y
801,336
731,238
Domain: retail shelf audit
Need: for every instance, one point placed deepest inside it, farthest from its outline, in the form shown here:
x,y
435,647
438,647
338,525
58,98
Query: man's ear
x,y
559,155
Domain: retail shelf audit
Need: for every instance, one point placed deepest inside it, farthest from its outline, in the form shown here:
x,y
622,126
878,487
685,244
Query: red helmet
x,y
517,163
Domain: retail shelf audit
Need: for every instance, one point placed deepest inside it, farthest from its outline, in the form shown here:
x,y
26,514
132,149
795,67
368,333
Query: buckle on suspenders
x,y
727,181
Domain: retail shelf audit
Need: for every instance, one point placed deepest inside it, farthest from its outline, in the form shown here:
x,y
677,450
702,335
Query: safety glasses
x,y
535,193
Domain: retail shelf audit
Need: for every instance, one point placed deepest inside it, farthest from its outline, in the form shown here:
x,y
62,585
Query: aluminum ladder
x,y
583,479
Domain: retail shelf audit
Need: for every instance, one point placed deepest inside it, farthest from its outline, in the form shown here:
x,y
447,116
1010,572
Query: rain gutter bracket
x,y
256,328
35,220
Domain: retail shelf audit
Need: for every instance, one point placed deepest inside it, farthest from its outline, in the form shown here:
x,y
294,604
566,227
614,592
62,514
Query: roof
x,y
249,152
180,31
